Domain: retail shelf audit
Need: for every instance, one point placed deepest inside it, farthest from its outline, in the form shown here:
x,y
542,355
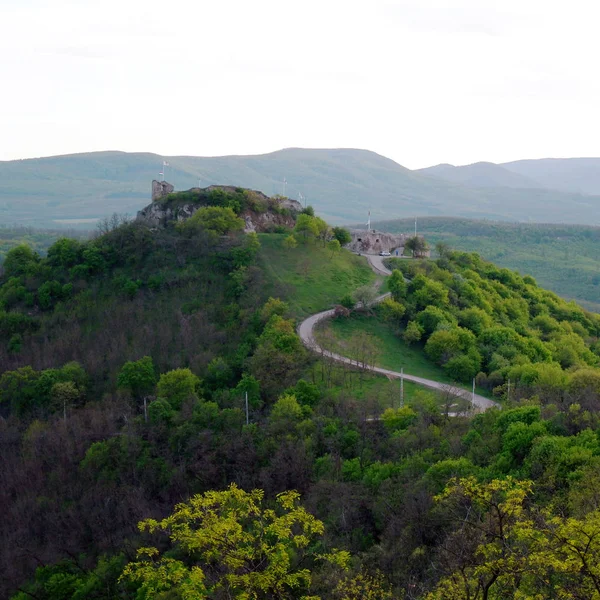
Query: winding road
x,y
307,335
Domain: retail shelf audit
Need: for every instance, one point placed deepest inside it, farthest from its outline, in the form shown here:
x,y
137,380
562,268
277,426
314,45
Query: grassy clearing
x,y
309,277
374,389
393,352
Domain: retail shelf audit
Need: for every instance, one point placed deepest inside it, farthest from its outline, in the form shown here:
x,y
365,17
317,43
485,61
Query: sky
x,y
420,81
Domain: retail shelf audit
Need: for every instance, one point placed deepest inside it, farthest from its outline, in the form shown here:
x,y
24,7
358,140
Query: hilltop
x,y
343,184
158,368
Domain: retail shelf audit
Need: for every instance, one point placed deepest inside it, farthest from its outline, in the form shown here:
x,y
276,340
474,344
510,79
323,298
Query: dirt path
x,y
306,331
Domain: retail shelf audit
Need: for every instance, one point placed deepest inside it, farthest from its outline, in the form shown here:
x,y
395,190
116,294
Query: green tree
x,y
177,386
65,252
417,245
334,247
64,394
431,317
396,419
306,226
397,285
364,295
216,219
290,242
412,333
273,306
393,311
20,260
229,544
139,377
444,344
18,389
342,235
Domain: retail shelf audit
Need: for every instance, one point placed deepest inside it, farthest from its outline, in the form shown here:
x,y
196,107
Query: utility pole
x,y
473,395
247,421
402,387
145,410
508,390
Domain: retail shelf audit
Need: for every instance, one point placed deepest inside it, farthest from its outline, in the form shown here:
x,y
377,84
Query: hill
x,y
564,259
343,184
154,375
581,175
482,174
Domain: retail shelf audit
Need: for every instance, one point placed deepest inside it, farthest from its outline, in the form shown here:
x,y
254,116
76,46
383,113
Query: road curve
x,y
306,331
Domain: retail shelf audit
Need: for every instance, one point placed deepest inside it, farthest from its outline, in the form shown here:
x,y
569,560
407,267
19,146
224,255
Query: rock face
x,y
277,211
373,242
160,189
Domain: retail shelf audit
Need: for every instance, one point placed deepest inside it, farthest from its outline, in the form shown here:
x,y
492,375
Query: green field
x,y
562,258
394,353
309,275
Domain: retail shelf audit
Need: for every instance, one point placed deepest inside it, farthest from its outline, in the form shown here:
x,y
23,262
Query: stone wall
x,y
374,242
160,189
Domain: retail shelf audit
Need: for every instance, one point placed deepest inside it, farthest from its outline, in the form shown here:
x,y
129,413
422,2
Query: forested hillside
x,y
126,364
563,258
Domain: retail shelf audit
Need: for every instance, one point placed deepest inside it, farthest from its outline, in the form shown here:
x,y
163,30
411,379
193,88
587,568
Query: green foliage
x,y
306,226
20,260
290,242
273,306
65,252
334,246
413,332
392,311
178,386
220,538
397,285
342,235
139,377
399,418
215,219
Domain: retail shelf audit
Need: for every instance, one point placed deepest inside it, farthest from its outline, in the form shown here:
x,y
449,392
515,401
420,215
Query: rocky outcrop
x,y
263,214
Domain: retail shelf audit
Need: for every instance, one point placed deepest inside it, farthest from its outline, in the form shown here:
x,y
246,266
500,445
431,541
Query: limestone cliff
x,y
260,212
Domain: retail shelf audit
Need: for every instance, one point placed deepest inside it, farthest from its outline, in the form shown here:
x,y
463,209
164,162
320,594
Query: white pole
x,y
473,396
247,408
508,390
402,387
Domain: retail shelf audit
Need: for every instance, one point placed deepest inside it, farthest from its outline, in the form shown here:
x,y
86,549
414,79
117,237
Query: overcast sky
x,y
419,81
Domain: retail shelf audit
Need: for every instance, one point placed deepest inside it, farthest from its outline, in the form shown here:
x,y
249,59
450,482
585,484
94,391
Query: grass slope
x,y
342,184
564,259
309,276
394,353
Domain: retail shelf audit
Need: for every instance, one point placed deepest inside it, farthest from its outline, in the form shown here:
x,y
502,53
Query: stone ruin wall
x,y
373,242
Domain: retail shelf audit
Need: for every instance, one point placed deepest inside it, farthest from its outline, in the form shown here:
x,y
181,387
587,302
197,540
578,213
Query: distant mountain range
x,y
342,185
577,175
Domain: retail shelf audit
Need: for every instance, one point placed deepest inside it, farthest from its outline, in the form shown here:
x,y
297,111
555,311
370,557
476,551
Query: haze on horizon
x,y
419,81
